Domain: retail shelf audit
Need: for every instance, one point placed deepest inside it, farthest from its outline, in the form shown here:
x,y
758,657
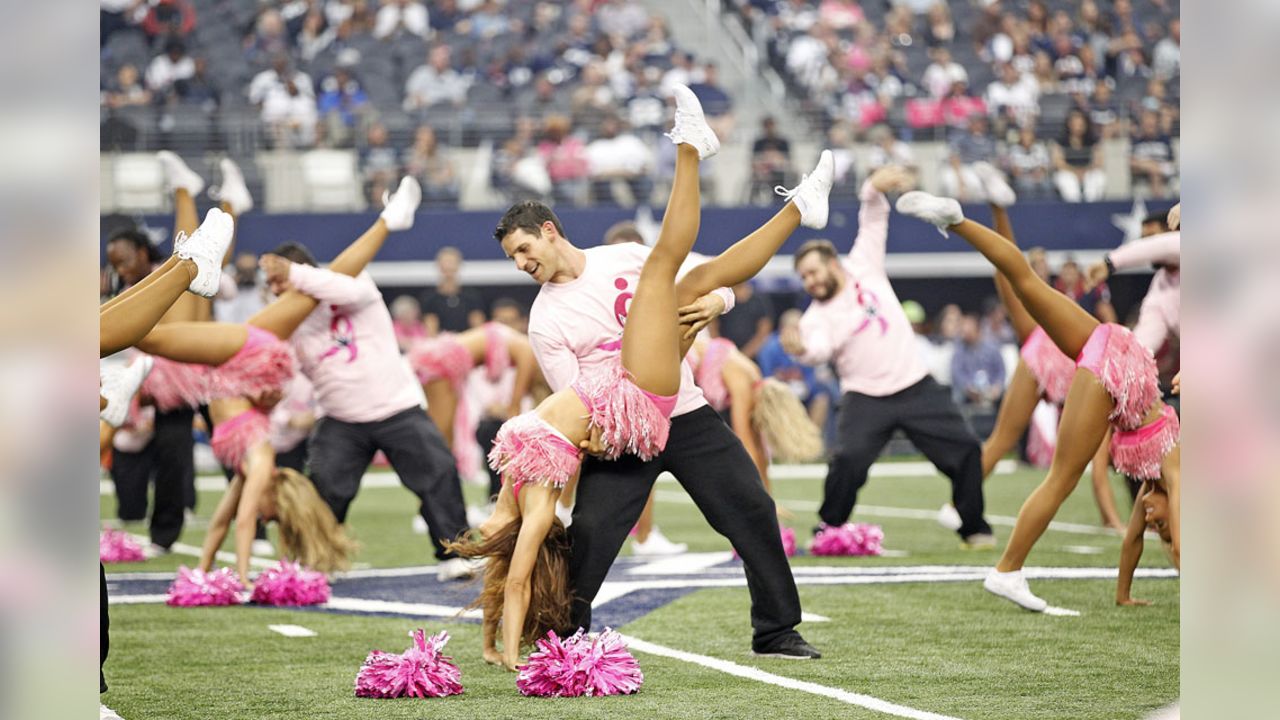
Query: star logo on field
x,y
1131,224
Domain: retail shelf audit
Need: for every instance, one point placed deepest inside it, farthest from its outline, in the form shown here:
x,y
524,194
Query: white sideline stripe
x,y
750,673
683,564
1061,612
192,550
1084,549
405,608
293,631
813,617
135,599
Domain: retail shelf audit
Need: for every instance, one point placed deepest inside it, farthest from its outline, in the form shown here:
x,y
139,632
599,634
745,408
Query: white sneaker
x,y
118,387
937,211
1012,586
949,517
565,513
810,196
458,569
998,190
690,126
178,175
154,551
262,548
207,246
476,515
401,206
657,546
233,190
420,525
106,713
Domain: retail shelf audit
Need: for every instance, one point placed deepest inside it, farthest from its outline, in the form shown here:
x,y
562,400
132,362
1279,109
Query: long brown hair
x,y
309,533
550,598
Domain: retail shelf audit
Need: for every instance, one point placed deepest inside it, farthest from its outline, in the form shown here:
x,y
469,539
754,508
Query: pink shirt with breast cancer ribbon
x,y
862,330
1161,312
577,325
347,347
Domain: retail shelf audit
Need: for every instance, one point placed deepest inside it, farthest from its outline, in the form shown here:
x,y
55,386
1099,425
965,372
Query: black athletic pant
x,y
340,453
718,474
294,459
486,431
930,419
168,463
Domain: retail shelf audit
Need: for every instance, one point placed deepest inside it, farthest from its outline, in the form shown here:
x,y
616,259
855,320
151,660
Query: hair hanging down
x,y
781,418
309,533
549,595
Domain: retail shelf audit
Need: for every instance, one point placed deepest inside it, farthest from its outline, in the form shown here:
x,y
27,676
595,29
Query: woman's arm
x,y
526,366
1130,553
259,464
1171,476
220,522
538,509
1059,161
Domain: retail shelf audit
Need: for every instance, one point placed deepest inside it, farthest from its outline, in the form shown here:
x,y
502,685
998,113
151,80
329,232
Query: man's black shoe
x,y
791,647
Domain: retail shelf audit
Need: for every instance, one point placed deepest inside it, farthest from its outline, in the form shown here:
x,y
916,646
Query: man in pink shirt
x,y
856,323
368,397
1160,315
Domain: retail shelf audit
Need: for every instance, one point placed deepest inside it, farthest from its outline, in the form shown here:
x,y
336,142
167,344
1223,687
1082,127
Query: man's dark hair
x,y
506,302
1160,218
295,252
625,231
824,248
529,216
139,240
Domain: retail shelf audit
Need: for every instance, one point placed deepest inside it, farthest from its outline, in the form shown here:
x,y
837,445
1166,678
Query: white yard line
x,y
683,564
751,673
813,617
293,631
401,608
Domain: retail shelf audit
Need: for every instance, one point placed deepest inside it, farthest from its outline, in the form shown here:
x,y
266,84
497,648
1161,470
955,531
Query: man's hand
x,y
1177,383
277,271
791,341
1095,275
699,314
1175,217
594,444
893,178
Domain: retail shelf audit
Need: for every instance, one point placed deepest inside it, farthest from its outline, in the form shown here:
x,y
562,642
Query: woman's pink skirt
x,y
1139,453
264,363
1126,369
709,374
441,358
232,439
172,385
530,451
1052,369
631,421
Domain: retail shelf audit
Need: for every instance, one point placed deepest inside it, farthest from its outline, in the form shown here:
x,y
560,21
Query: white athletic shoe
x,y
690,126
938,211
997,188
419,524
657,546
458,569
178,175
949,517
565,513
206,247
233,190
106,713
810,196
401,206
476,515
1012,586
262,548
118,387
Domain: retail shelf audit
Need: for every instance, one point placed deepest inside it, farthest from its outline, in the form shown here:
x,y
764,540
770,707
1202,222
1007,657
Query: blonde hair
x,y
780,417
309,533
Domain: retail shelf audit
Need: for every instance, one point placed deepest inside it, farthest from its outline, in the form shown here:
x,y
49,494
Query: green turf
x,y
946,648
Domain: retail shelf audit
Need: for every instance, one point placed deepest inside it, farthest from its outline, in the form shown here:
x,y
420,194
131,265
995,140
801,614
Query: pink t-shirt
x,y
578,324
862,330
299,398
347,347
1161,312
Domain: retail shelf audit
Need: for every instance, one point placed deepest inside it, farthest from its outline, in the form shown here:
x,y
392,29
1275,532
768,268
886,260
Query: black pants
x,y
294,459
718,474
929,417
486,431
340,453
168,463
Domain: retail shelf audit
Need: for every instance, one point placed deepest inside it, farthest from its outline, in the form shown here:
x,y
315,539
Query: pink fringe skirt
x,y
530,451
1138,453
1053,370
631,420
441,358
264,363
497,356
709,373
233,438
174,385
1126,369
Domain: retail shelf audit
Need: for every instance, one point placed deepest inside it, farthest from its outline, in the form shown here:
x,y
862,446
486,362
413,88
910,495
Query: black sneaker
x,y
790,647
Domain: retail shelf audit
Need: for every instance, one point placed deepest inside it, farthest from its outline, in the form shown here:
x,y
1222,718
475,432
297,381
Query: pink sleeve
x,y
818,347
873,228
1150,330
334,288
559,364
1162,249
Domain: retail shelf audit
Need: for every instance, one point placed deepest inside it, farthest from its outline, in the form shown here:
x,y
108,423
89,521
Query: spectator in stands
x,y
445,15
1038,259
959,107
1104,111
406,319
396,16
970,154
996,328
1166,59
169,18
250,295
616,154
290,117
201,88
342,105
168,68
626,19
1127,59
544,100
431,164
593,99
315,36
939,30
450,307
1095,300
946,329
716,104
127,90
1029,165
1045,74
943,73
977,372
517,170
1077,161
1151,155
1012,99
840,142
273,81
646,109
379,163
268,39
117,15
770,161
566,160
887,149
840,14
749,323
435,82
510,313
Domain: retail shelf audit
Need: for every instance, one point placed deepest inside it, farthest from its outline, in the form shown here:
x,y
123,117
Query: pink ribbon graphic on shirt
x,y
344,337
620,309
871,306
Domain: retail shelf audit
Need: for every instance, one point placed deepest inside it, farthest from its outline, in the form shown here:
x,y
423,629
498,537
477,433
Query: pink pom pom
x,y
172,385
630,421
421,671
1053,370
195,587
848,539
441,358
288,583
580,665
116,546
788,541
265,362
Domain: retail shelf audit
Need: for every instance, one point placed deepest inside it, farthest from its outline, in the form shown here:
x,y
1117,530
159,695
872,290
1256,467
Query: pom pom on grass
x,y
194,588
116,546
288,583
847,539
580,666
421,671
